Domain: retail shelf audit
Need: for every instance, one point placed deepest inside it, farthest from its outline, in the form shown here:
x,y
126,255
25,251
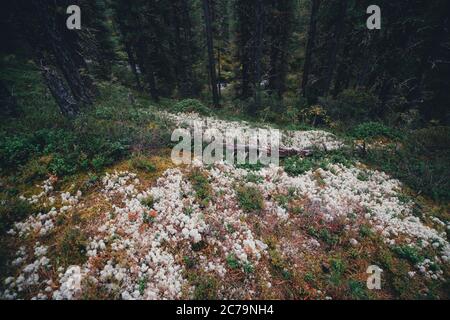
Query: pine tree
x,y
57,51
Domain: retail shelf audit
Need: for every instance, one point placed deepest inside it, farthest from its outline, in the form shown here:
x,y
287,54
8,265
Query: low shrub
x,y
351,105
201,186
250,199
12,210
191,105
373,130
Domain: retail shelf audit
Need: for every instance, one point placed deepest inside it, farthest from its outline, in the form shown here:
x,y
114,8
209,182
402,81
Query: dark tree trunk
x,y
258,54
335,45
244,16
315,4
181,22
209,42
133,66
147,70
65,48
279,30
59,90
219,73
59,49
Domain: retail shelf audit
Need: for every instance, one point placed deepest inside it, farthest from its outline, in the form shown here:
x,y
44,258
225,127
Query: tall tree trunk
x,y
147,70
132,62
315,4
59,90
219,73
279,30
209,42
66,49
59,49
335,45
244,17
181,22
258,54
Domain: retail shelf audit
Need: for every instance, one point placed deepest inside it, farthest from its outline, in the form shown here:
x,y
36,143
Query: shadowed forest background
x,y
74,103
293,63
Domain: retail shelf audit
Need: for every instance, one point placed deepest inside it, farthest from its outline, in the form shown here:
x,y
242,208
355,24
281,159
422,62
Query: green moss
x,y
142,163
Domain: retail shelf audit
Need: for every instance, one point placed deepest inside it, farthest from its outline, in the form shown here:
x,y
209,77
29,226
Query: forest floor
x,y
95,208
160,231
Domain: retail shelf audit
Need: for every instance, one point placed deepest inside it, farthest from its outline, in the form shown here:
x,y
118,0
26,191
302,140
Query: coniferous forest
x,y
93,206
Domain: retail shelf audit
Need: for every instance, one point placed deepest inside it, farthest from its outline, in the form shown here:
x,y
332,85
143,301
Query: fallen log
x,y
283,152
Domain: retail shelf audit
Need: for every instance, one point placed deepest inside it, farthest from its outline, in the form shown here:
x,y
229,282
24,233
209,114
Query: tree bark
x,y
279,30
315,4
59,90
259,25
335,45
59,49
147,70
209,43
133,66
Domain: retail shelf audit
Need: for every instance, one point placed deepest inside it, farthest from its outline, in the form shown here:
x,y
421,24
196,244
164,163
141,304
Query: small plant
x,y
365,231
189,262
142,163
357,290
92,180
313,232
362,176
202,187
326,236
191,105
142,285
337,270
315,116
250,199
232,262
373,130
148,201
309,277
282,200
252,167
409,253
298,210
252,177
198,246
248,267
188,211
230,228
296,166
13,210
72,247
205,288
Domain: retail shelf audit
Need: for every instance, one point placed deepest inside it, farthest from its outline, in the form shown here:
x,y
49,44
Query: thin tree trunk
x,y
258,54
147,69
335,45
209,42
315,4
132,62
219,75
